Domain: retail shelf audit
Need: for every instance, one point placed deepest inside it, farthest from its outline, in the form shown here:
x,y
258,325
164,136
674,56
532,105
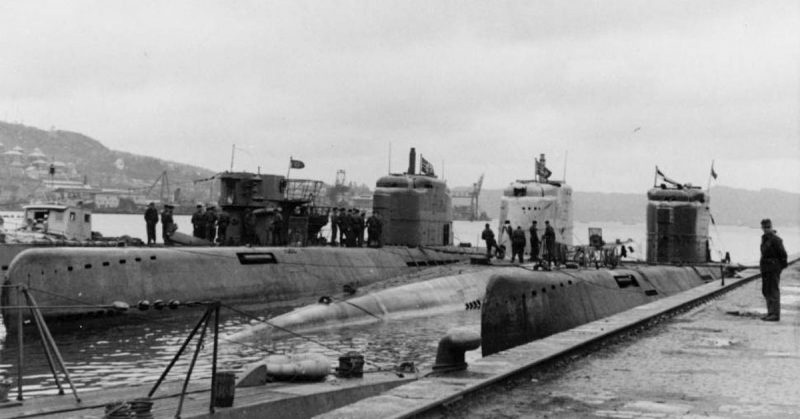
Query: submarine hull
x,y
524,306
70,282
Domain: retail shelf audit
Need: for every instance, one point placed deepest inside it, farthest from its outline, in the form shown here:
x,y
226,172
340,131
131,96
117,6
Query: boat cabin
x,y
71,222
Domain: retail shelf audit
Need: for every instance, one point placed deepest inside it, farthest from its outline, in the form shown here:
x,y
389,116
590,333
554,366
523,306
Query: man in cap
x,y
151,219
534,230
167,224
773,261
549,241
199,223
210,223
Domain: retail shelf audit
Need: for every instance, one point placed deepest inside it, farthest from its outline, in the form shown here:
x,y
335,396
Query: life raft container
x,y
299,367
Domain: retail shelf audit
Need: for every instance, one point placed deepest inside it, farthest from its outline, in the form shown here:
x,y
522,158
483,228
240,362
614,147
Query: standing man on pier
x,y
773,261
151,219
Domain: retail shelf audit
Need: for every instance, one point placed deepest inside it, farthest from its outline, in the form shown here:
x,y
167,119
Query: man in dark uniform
x,y
334,227
517,244
345,227
549,240
167,224
361,224
488,236
199,223
278,230
534,230
372,222
151,219
210,218
773,261
222,225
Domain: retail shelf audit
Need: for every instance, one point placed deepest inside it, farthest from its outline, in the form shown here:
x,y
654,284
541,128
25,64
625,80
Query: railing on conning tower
x,y
302,189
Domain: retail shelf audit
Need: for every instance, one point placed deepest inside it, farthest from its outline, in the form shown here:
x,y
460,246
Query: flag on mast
x,y
713,172
296,164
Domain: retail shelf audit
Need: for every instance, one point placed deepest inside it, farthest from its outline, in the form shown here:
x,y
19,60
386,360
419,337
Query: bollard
x,y
351,365
450,354
224,389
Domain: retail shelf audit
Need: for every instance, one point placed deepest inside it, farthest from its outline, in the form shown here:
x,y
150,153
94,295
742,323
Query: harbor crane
x,y
473,196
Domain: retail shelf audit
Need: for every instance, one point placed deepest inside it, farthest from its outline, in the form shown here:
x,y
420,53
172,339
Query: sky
x,y
607,90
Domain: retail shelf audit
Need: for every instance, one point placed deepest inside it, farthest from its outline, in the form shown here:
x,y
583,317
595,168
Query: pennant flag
x,y
425,167
296,164
666,179
713,173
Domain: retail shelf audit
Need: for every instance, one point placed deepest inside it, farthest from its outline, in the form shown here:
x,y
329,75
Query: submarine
x,y
78,283
519,303
458,287
522,306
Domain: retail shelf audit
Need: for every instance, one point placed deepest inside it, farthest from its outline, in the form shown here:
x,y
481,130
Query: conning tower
x,y
539,199
677,224
415,208
250,199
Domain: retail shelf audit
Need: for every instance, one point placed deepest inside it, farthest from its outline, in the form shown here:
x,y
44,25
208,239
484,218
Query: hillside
x,y
80,158
729,206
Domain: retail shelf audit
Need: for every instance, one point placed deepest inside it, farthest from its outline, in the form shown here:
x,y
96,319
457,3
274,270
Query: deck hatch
x,y
258,258
625,281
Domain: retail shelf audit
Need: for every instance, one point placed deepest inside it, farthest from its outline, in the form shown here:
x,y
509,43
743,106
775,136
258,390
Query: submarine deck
x,y
687,358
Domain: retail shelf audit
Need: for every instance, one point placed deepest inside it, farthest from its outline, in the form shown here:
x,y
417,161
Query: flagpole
x,y
708,188
233,150
655,177
290,168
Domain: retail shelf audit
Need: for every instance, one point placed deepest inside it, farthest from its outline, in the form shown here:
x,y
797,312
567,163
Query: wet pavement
x,y
716,360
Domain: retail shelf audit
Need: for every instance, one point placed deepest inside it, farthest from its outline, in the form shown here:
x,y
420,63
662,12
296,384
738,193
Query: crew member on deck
x,y
534,242
210,222
488,237
199,223
334,227
151,219
549,240
518,244
167,224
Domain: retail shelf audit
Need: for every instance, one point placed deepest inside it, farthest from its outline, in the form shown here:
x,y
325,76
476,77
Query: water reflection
x,y
135,354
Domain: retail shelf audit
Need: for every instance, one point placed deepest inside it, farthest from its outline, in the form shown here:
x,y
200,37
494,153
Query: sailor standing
x,y
199,223
151,219
549,240
773,261
167,224
210,218
534,230
517,244
334,226
488,237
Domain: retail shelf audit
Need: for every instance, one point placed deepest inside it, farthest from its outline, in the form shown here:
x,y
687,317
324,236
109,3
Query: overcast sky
x,y
613,88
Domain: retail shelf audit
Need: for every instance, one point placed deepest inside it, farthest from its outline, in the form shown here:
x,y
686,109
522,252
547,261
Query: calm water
x,y
132,354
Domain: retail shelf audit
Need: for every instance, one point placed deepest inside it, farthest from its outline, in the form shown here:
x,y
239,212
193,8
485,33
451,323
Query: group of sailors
x,y
348,226
209,225
546,244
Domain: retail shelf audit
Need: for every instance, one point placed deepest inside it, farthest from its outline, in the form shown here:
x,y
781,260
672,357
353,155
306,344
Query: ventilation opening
x,y
256,258
625,281
651,293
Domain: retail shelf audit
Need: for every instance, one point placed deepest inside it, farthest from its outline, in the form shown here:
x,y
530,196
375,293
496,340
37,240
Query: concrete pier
x,y
718,359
